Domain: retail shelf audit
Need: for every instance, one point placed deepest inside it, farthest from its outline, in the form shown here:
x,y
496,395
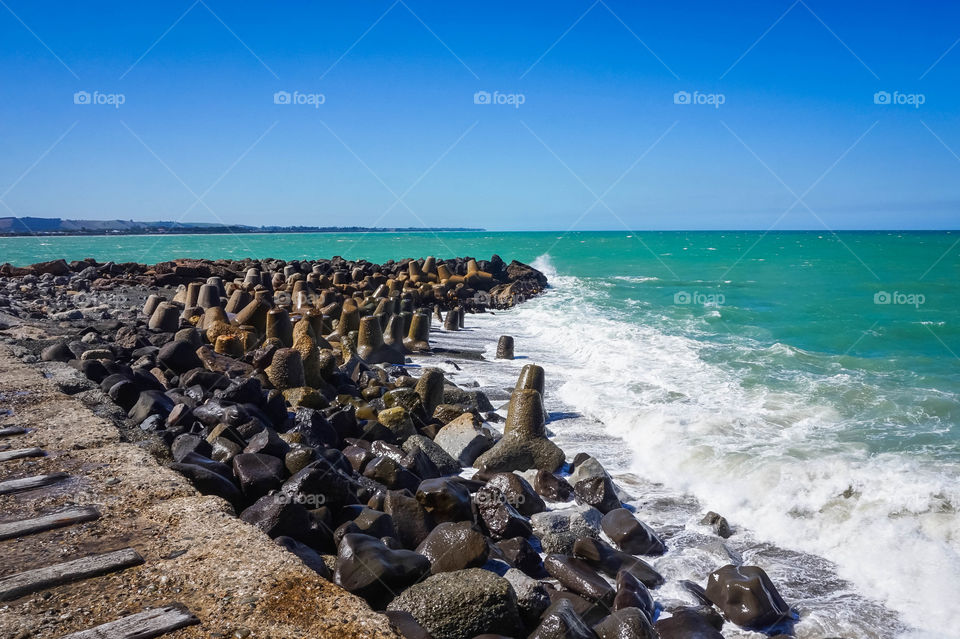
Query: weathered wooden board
x,y
143,625
28,483
29,581
22,527
19,453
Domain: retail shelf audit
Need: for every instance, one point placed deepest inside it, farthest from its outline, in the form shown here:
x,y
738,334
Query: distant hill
x,y
56,226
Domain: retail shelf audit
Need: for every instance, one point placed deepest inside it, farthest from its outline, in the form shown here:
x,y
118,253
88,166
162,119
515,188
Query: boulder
x,y
446,464
499,518
552,487
258,474
630,534
454,546
578,577
463,440
368,568
691,623
562,622
611,561
631,593
558,530
462,604
747,597
445,499
597,492
532,597
626,623
518,493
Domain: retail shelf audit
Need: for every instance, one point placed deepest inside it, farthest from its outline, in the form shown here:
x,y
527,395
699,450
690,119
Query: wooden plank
x,y
11,529
29,581
20,453
152,622
28,483
9,431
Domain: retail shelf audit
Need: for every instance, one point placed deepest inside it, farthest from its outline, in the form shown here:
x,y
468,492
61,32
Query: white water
x,y
645,403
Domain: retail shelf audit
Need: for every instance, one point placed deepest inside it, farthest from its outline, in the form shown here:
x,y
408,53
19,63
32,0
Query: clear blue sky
x,y
399,118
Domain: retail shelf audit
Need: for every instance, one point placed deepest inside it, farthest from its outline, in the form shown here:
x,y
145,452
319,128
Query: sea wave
x,y
785,464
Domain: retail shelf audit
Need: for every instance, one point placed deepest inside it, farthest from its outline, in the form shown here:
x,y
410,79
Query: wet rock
x,y
462,604
518,552
413,522
366,567
532,597
552,487
524,444
626,623
630,534
747,597
562,622
430,389
499,518
505,347
518,493
597,492
578,577
558,530
631,593
454,546
691,623
718,523
611,561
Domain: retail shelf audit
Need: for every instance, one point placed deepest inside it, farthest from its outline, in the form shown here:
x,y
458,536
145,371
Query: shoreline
x,y
571,576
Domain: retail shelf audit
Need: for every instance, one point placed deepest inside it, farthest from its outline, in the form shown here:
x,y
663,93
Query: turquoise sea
x,y
804,384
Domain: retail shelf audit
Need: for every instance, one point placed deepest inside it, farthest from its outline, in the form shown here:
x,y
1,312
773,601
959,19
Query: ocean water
x,y
805,385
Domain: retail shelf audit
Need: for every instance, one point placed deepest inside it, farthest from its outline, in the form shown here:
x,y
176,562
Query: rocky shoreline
x,y
301,393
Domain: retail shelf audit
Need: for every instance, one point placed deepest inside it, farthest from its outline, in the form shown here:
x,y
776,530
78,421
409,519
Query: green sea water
x,y
806,382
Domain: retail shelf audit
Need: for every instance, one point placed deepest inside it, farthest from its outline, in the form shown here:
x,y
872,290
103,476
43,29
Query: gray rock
x,y
462,440
462,604
444,462
558,530
532,597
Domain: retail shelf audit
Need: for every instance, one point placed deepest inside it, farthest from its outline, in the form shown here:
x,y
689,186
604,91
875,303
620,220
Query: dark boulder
x,y
630,534
454,546
366,567
747,597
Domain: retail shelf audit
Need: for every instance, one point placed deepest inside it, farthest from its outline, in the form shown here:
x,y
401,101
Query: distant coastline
x,y
55,227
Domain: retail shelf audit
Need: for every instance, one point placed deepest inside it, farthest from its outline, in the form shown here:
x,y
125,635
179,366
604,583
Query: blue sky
x,y
599,141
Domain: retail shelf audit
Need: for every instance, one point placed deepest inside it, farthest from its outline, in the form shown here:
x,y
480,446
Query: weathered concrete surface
x,y
229,574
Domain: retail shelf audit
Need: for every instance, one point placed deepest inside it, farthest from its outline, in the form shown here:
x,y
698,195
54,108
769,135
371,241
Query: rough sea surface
x,y
805,385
